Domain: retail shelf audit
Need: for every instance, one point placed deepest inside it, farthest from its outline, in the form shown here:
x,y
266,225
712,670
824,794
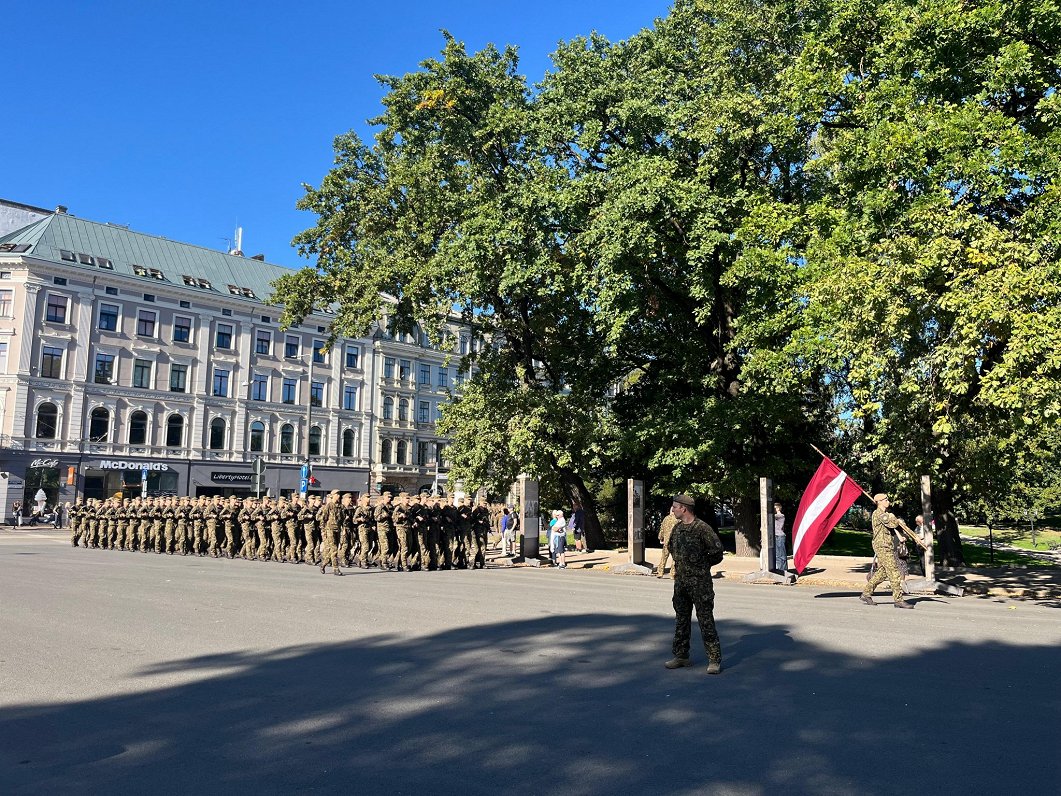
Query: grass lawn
x,y
1048,538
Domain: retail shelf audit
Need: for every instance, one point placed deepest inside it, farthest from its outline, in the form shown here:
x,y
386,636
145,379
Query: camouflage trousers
x,y
887,570
404,557
365,544
698,593
329,551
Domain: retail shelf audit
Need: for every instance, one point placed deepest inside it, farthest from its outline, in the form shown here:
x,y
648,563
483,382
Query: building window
x,y
287,438
424,412
291,347
7,303
348,443
138,428
458,379
99,425
421,454
385,451
464,344
182,329
405,369
315,441
403,452
425,374
145,323
51,362
353,356
403,410
350,397
388,408
263,342
104,369
3,357
260,387
149,298
288,391
223,338
178,378
47,421
142,374
438,412
318,352
108,317
174,431
226,311
443,377
440,447
217,434
257,438
55,311
221,383
110,291
316,393
388,368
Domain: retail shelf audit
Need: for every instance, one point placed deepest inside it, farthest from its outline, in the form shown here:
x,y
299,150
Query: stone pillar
x,y
529,520
766,526
635,530
926,511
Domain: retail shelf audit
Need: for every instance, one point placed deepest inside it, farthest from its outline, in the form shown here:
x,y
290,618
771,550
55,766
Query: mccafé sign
x,y
111,465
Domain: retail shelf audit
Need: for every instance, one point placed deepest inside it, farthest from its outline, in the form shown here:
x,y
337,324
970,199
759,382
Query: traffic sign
x,y
305,471
303,486
259,466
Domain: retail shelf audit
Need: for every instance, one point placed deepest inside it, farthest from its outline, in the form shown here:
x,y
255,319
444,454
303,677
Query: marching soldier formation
x,y
406,534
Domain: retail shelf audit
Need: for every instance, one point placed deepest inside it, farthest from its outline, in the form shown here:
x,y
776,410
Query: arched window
x,y
385,451
388,408
217,434
403,410
99,425
287,438
174,431
403,452
348,443
138,428
257,438
47,421
315,441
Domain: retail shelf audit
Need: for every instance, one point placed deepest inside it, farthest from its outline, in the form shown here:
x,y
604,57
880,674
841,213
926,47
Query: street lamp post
x,y
303,486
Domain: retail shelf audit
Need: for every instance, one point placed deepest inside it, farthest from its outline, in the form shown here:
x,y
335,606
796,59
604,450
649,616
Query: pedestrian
x,y
507,542
558,539
578,528
884,524
696,548
780,556
16,513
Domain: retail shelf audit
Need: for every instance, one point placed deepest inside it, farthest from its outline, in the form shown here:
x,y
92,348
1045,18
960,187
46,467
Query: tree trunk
x,y
576,488
746,517
950,543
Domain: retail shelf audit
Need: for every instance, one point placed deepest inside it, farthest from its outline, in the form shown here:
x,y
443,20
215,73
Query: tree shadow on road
x,y
560,704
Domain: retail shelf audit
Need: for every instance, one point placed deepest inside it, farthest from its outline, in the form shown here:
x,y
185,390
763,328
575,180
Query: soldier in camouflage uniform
x,y
384,529
460,517
346,527
276,529
693,544
158,522
169,518
246,524
363,521
75,522
213,512
308,515
289,516
440,535
400,516
330,518
480,520
227,515
665,529
884,524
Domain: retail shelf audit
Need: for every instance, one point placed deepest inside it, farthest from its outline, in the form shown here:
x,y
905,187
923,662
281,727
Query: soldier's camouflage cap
x,y
877,498
684,500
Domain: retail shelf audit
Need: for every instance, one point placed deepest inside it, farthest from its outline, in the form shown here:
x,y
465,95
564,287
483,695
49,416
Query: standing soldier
x,y
480,521
143,525
400,517
276,529
424,538
330,518
75,522
289,516
169,517
261,527
414,519
441,535
884,524
384,529
195,523
363,522
696,548
158,536
461,517
246,525
180,532
212,512
665,529
347,531
227,515
308,515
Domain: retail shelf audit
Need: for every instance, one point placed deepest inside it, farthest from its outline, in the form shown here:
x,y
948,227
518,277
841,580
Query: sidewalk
x,y
849,572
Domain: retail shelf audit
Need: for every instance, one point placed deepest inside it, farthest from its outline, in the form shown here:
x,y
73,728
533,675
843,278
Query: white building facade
x,y
131,363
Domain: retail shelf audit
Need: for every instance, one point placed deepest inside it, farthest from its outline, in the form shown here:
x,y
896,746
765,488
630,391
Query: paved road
x,y
136,673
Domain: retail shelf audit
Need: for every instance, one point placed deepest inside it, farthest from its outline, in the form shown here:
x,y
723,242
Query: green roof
x,y
50,236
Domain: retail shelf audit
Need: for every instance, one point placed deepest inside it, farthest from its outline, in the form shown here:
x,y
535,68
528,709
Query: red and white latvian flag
x,y
829,494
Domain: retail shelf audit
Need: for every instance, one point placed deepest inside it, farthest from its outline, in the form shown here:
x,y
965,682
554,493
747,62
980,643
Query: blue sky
x,y
186,119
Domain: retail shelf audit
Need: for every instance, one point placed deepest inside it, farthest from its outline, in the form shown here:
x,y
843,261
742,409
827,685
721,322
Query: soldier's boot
x,y
714,658
677,663
903,604
867,599
323,567
337,571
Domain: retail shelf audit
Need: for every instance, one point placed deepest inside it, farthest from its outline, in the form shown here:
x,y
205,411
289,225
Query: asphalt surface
x,y
138,673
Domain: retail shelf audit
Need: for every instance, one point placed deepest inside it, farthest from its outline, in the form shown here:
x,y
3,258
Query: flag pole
x,y
902,524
